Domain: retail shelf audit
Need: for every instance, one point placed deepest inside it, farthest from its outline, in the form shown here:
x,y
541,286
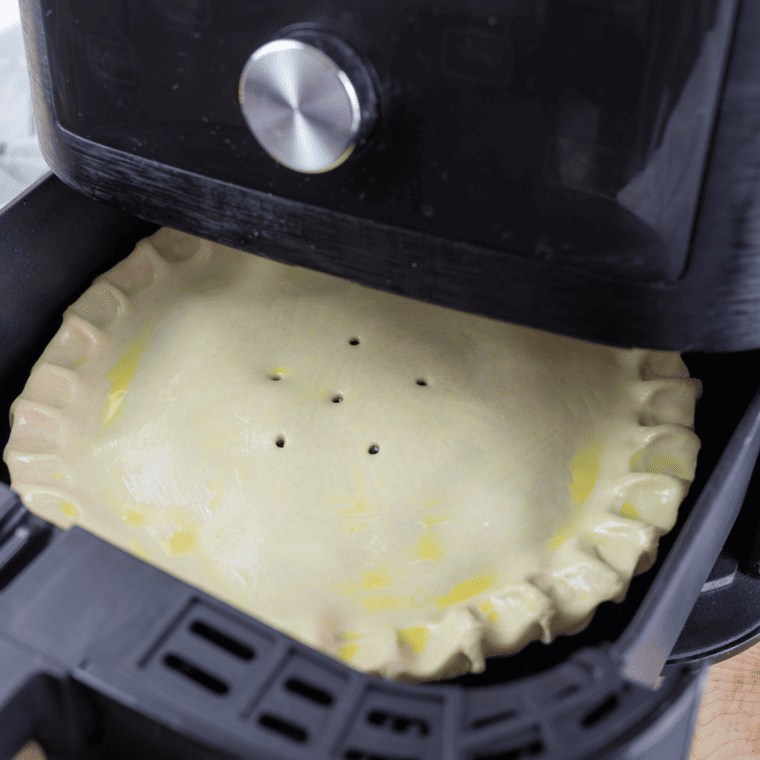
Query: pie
x,y
406,487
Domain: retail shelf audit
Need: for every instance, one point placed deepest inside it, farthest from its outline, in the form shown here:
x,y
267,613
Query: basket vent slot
x,y
517,753
283,727
355,754
399,724
601,712
201,677
300,699
22,536
23,545
395,724
565,692
498,718
214,636
520,745
307,691
206,653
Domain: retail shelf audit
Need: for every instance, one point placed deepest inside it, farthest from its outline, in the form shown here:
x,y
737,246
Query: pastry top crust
x,y
401,485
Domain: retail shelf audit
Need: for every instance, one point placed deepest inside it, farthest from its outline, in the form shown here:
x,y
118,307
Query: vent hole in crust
x,y
354,342
308,691
222,640
280,442
600,712
421,381
201,677
373,449
337,398
283,727
275,377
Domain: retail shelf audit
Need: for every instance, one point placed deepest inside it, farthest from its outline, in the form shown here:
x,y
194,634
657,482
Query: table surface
x,y
728,723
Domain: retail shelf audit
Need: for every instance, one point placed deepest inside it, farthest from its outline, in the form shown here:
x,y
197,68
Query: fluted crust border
x,y
47,433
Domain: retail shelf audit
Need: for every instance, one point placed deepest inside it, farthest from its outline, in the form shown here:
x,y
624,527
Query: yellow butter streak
x,y
629,511
429,522
348,651
134,518
324,392
415,638
430,547
136,548
121,375
359,501
349,528
69,509
375,579
585,468
488,609
369,580
181,542
358,508
376,603
466,590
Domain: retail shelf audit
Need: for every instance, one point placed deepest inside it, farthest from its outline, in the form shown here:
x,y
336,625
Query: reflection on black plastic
x,y
555,107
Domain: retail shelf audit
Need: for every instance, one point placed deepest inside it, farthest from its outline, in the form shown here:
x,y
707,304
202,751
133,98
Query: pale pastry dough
x,y
403,486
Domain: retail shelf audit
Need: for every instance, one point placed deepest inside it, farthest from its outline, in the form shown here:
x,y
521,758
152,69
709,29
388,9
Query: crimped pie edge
x,y
538,607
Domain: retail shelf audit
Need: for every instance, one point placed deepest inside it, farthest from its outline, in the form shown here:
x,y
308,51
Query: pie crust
x,y
406,487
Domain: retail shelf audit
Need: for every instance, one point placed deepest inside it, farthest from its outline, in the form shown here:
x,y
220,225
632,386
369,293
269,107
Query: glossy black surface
x,y
567,131
97,617
714,306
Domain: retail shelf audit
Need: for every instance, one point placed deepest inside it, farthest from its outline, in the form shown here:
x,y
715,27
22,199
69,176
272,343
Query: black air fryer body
x,y
586,167
527,157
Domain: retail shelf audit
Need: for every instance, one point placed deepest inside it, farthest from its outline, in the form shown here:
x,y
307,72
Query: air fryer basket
x,y
100,652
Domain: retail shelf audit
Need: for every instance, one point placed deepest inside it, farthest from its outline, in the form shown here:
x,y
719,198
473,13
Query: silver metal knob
x,y
302,106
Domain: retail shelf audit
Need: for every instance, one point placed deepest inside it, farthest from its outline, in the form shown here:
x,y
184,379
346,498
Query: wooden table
x,y
728,724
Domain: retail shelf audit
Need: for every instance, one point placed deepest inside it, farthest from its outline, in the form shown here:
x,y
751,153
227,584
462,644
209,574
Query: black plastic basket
x,y
103,655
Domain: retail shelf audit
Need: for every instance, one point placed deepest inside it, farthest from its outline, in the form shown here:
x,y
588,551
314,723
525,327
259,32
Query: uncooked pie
x,y
406,487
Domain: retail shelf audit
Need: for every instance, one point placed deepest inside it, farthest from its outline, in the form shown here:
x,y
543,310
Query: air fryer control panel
x,y
569,131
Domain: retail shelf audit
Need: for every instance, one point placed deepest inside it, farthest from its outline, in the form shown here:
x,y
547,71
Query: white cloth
x,y
21,161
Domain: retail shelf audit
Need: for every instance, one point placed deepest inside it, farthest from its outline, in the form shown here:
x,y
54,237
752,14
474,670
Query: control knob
x,y
309,98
